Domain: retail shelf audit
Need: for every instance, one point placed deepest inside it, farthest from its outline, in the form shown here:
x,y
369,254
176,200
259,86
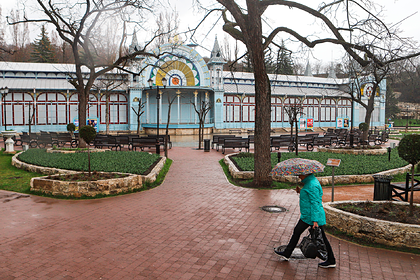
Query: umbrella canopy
x,y
297,166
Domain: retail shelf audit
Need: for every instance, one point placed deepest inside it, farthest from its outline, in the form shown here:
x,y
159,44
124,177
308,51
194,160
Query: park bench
x,y
235,143
124,141
216,137
239,131
44,140
221,140
65,138
143,142
108,141
401,190
282,141
161,140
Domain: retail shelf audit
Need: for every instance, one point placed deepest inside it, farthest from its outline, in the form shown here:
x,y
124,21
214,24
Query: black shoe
x,y
281,254
327,264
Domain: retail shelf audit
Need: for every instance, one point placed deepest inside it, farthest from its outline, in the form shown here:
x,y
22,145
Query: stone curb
x,y
380,231
87,188
327,180
354,151
151,177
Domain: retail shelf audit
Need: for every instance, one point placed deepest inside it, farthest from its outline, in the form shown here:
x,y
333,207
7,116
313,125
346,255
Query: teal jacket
x,y
310,203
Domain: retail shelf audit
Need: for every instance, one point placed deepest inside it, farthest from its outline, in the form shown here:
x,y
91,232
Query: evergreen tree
x,y
284,63
268,58
43,50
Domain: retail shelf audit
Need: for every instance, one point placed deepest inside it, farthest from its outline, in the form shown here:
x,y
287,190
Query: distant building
x,y
190,80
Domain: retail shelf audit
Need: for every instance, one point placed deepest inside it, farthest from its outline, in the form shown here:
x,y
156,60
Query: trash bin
x,y
382,189
207,145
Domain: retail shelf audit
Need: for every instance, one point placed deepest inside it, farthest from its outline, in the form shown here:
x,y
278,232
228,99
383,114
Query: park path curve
x,y
194,226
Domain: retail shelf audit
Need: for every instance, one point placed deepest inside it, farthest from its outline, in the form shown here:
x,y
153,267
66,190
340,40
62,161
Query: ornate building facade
x,y
41,94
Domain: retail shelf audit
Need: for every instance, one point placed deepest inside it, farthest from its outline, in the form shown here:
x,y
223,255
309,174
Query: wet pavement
x,y
195,225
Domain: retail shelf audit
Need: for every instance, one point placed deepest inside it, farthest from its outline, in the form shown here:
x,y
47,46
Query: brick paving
x,y
194,226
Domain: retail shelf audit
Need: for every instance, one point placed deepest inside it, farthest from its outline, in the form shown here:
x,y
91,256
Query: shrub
x,y
71,127
409,150
363,126
87,133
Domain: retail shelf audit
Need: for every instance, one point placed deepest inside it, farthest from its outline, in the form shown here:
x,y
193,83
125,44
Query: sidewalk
x,y
194,226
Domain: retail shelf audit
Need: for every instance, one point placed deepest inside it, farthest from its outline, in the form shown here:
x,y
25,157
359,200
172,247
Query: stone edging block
x,y
380,231
151,177
326,180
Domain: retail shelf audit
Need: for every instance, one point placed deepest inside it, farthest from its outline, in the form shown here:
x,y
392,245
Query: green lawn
x,y
350,164
18,180
12,178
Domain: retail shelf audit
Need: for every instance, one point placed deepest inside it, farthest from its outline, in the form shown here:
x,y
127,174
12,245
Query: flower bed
x,y
379,231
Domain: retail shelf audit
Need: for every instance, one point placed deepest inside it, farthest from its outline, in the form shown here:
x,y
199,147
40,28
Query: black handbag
x,y
313,245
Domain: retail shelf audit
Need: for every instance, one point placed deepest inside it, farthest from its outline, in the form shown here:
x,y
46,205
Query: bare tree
x,y
106,85
294,111
139,112
202,108
171,100
78,23
244,22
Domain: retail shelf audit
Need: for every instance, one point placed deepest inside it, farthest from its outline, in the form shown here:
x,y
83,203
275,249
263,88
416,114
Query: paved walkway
x,y
194,226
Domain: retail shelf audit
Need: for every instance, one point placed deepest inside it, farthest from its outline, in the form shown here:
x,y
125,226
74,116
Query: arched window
x,y
328,112
232,108
16,107
248,109
118,109
92,110
288,102
73,107
51,109
311,108
344,107
276,109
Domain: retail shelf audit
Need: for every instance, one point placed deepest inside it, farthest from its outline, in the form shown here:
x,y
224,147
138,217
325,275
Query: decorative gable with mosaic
x,y
180,65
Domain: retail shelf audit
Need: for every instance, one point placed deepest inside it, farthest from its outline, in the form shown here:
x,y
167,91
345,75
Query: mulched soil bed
x,y
388,211
84,176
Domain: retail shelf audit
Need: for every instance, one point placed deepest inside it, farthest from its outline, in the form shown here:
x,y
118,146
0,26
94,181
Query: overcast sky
x,y
395,11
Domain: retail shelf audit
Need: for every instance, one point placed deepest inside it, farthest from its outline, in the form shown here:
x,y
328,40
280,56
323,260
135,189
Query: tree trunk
x,y
107,113
297,139
262,155
167,129
368,116
82,115
412,192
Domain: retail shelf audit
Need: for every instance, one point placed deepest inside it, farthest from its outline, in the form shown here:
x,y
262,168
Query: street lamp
x,y
150,81
406,125
4,91
351,116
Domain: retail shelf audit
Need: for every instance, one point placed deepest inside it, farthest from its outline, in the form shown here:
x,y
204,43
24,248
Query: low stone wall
x,y
87,188
324,181
383,232
151,177
380,151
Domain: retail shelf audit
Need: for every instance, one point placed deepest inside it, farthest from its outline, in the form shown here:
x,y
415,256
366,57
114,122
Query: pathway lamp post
x,y
406,124
351,116
150,81
4,91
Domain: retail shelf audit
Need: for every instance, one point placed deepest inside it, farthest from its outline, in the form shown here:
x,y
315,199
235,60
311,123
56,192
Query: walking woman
x,y
312,215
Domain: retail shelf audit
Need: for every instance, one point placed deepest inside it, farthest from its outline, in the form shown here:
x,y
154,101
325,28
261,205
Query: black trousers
x,y
299,229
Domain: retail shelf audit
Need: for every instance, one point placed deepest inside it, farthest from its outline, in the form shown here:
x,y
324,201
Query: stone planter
x,y
380,231
10,149
87,188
